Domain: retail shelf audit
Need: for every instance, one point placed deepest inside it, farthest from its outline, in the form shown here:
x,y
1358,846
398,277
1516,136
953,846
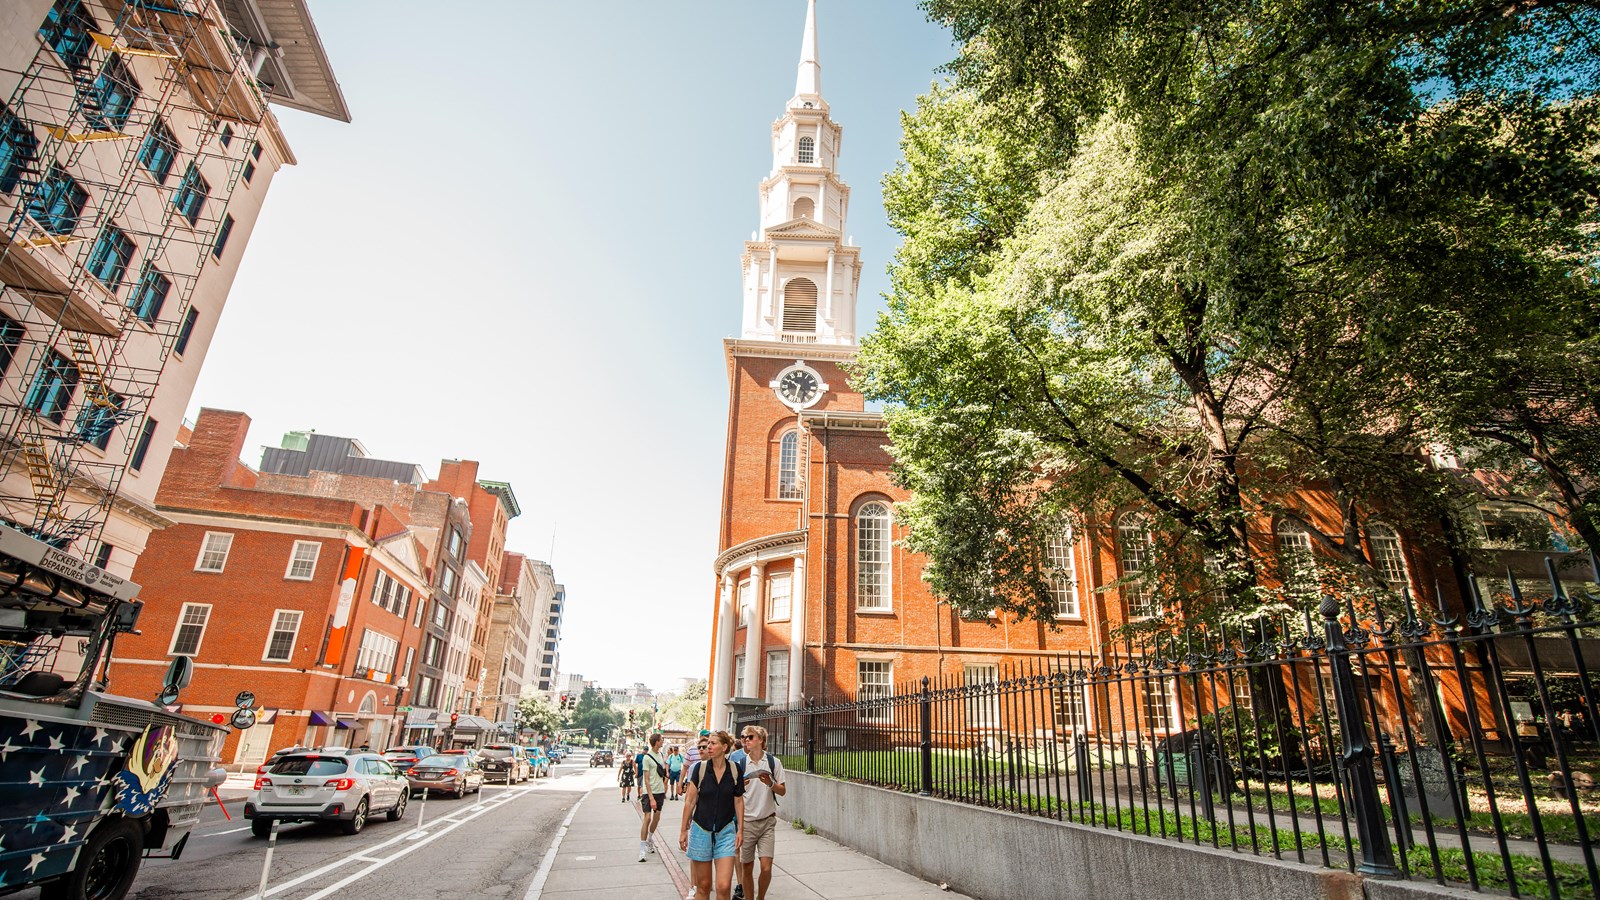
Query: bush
x,y
1267,742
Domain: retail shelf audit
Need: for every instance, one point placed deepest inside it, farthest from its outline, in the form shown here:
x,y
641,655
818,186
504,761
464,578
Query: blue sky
x,y
524,250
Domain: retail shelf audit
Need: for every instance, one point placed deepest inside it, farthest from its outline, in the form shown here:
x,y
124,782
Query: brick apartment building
x,y
315,604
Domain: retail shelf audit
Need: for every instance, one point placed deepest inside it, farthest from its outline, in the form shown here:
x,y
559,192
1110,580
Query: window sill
x,y
209,571
872,611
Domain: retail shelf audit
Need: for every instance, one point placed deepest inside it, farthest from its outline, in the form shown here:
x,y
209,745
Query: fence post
x,y
1377,855
811,738
926,747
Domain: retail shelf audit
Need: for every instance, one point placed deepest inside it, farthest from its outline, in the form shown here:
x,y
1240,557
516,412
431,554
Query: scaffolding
x,y
120,148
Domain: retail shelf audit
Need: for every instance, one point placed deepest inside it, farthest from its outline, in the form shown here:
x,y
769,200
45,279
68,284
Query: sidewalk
x,y
598,859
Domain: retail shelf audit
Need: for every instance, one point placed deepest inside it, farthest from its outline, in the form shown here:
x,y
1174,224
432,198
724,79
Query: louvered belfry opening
x,y
805,208
800,306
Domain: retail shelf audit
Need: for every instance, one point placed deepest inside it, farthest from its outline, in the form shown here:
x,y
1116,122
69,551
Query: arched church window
x,y
872,556
808,151
805,208
789,466
800,306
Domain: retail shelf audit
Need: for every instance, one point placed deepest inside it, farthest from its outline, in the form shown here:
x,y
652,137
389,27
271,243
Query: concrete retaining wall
x,y
989,855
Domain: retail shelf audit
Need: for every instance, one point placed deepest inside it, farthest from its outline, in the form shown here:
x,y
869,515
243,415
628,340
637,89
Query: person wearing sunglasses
x,y
763,785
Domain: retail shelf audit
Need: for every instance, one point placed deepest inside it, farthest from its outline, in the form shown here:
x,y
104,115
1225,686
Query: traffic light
x,y
454,717
630,717
563,701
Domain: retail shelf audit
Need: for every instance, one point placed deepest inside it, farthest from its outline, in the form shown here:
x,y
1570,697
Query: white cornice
x,y
839,420
834,353
786,545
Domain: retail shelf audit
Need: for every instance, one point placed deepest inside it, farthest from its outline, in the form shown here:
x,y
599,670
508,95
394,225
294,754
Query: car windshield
x,y
440,760
309,765
499,752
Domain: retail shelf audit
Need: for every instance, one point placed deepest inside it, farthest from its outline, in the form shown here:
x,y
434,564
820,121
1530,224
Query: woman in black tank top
x,y
713,819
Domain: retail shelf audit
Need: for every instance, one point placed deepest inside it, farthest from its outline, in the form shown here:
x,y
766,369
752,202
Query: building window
x,y
789,465
19,150
102,556
808,151
255,150
805,208
447,581
11,332
779,589
97,419
874,681
303,560
58,203
872,556
221,243
214,551
411,656
110,101
53,387
800,306
1241,690
1072,713
226,137
1062,572
66,30
1157,695
391,594
146,433
150,295
1133,539
778,677
280,641
983,707
738,675
458,543
159,151
191,628
375,659
186,331
109,259
1297,567
1387,556
249,172
193,191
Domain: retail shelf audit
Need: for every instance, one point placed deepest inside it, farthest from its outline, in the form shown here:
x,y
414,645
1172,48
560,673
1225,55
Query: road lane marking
x,y
229,831
536,889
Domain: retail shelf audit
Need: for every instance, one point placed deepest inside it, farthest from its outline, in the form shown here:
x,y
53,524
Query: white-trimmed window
x,y
458,543
983,710
874,681
744,613
303,561
873,543
1240,689
778,677
1072,713
214,551
738,675
789,465
375,659
1387,555
280,640
447,582
807,153
1062,572
1157,696
1136,547
780,588
191,628
390,594
1296,564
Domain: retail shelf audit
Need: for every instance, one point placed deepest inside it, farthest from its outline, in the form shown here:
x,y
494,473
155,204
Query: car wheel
x,y
106,866
357,821
460,791
261,827
399,808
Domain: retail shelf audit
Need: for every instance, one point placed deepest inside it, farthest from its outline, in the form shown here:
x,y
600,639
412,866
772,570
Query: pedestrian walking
x,y
652,793
674,772
625,781
763,785
713,819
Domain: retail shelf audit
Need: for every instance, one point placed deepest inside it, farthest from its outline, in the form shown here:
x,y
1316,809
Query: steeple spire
x,y
809,82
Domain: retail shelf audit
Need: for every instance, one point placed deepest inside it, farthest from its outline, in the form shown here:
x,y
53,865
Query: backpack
x,y
698,776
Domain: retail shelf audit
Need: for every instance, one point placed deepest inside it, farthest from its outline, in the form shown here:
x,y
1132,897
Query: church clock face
x,y
799,386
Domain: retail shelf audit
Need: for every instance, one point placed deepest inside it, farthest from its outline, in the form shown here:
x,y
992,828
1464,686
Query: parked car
x,y
316,786
504,762
449,773
403,758
601,758
538,761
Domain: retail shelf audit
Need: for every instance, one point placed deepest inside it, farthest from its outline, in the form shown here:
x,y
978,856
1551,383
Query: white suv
x,y
312,786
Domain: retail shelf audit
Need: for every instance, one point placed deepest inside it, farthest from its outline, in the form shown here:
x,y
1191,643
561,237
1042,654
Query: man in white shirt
x,y
763,785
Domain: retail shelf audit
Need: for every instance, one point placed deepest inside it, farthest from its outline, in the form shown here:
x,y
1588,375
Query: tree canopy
x,y
1190,259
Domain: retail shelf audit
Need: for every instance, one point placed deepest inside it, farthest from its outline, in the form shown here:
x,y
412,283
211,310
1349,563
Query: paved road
x,y
487,845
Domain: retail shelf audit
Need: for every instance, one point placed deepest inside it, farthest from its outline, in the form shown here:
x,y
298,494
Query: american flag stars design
x,y
54,781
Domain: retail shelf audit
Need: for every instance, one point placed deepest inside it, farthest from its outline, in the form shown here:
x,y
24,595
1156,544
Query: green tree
x,y
539,714
1191,258
689,708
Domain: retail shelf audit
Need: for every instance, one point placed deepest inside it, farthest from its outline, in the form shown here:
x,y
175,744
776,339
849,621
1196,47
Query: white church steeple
x,y
800,272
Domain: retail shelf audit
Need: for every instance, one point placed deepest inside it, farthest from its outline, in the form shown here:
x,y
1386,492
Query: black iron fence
x,y
1417,743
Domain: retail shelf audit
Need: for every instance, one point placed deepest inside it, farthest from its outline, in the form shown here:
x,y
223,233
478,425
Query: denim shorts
x,y
705,847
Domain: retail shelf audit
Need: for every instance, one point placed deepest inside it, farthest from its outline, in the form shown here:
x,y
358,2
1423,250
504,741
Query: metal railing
x,y
1413,743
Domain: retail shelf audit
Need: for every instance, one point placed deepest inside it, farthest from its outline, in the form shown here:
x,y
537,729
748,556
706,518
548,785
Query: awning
x,y
321,718
267,717
468,722
346,723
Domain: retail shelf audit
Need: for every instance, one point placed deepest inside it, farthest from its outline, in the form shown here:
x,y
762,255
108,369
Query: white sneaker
x,y
641,856
652,846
